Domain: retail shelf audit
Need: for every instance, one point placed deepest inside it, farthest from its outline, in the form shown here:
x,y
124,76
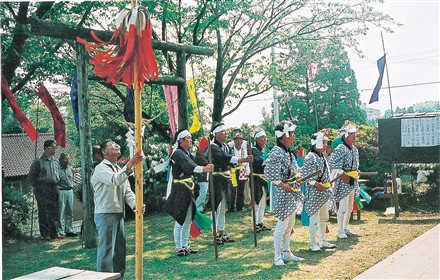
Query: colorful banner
x,y
381,67
18,113
313,69
58,122
192,97
171,97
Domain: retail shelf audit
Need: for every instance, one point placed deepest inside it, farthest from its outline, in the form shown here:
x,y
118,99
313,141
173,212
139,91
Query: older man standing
x,y
111,192
241,174
65,186
344,161
222,164
44,177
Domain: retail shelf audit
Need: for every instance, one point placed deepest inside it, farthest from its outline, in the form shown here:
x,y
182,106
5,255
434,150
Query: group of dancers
x,y
326,182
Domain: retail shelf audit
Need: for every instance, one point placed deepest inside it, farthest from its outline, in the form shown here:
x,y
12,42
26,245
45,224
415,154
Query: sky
x,y
413,54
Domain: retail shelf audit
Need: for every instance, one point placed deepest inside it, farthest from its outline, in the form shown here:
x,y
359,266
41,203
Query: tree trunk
x,y
182,93
218,84
89,232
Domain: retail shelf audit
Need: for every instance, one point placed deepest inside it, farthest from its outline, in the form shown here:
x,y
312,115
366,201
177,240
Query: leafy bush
x,y
16,209
432,193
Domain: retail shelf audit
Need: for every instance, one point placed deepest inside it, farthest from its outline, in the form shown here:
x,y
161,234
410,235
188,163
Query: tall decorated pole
x,y
129,57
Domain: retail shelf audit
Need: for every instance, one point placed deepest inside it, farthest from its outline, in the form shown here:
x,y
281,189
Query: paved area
x,y
419,259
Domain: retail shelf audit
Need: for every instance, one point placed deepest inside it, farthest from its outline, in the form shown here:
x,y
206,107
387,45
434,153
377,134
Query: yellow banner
x,y
234,176
192,97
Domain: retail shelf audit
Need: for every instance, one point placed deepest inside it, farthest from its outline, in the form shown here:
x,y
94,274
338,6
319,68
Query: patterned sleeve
x,y
272,170
336,158
309,166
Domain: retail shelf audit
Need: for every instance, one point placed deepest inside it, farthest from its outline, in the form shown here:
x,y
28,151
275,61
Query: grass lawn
x,y
380,236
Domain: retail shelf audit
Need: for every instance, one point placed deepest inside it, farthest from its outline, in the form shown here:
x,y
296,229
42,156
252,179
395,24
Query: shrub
x,y
16,209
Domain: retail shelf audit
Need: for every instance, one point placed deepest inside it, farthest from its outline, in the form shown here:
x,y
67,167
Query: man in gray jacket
x,y
44,177
111,192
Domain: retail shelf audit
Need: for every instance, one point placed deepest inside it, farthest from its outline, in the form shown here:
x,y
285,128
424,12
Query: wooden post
x,y
89,230
139,184
395,194
182,92
252,187
139,190
213,210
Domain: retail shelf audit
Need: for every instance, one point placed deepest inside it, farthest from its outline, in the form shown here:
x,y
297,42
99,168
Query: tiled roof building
x,y
18,153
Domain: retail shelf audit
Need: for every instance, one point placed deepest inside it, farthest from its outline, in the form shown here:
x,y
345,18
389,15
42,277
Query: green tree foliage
x,y
326,101
242,33
423,107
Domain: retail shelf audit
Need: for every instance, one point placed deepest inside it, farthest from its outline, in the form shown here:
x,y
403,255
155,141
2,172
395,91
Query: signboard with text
x,y
410,139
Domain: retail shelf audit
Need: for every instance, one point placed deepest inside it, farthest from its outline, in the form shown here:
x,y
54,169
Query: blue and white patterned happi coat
x,y
347,159
280,166
314,198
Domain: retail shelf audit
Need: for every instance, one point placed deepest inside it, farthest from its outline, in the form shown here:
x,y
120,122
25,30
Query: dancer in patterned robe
x,y
344,161
180,202
318,192
280,166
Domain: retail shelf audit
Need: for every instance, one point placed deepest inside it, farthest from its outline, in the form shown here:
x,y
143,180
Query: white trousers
x,y
66,211
221,213
260,208
281,235
181,233
318,220
344,211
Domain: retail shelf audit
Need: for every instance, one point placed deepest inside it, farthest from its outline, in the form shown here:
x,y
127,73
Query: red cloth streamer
x,y
58,122
194,231
130,45
18,113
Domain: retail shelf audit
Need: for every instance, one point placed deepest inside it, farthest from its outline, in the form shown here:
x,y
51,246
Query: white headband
x,y
259,134
347,130
181,135
219,128
319,141
285,131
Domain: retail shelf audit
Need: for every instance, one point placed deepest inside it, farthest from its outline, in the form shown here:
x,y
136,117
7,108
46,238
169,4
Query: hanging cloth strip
x,y
234,175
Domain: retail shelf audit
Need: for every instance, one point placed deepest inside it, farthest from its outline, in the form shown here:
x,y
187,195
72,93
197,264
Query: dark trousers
x,y
111,242
236,198
48,209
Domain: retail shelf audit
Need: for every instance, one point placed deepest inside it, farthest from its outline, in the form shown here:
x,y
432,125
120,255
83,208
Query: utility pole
x,y
276,115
